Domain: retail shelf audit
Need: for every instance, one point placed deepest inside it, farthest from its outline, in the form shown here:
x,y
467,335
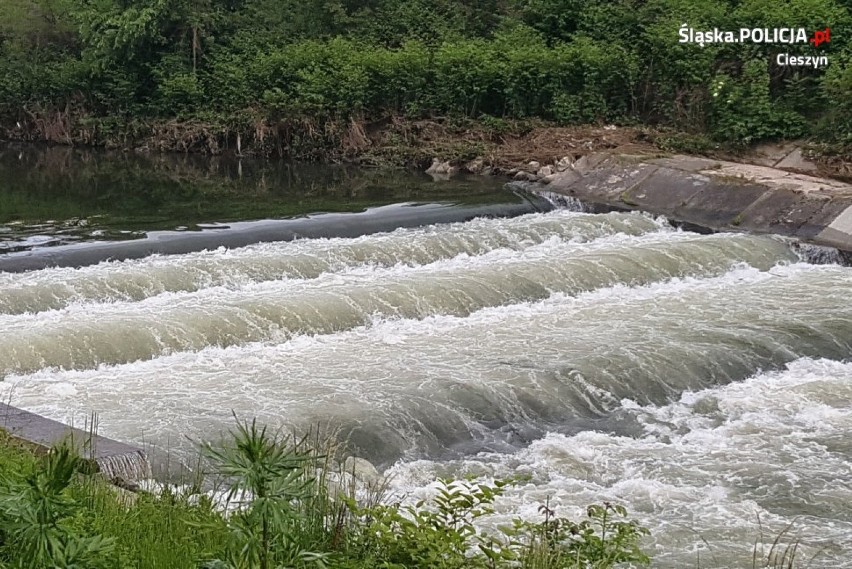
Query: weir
x,y
807,252
86,335
239,234
113,459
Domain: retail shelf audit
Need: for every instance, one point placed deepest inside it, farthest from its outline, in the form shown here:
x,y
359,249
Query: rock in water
x,y
475,166
362,469
436,167
441,170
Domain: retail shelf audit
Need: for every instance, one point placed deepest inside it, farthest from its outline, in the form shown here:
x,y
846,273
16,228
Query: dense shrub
x,y
837,125
744,112
563,60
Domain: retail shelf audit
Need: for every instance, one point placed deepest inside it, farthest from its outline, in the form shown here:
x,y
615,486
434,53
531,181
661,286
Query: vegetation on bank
x,y
311,78
287,507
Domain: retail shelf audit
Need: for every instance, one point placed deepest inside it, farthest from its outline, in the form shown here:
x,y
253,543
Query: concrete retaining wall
x,y
114,459
716,194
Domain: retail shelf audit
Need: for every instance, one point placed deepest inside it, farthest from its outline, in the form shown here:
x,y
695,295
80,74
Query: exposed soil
x,y
510,145
501,145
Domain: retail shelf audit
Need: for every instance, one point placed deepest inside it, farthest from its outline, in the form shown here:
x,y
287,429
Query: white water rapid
x,y
703,381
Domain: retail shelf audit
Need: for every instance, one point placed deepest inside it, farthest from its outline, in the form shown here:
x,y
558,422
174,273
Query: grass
x,y
286,503
150,531
14,456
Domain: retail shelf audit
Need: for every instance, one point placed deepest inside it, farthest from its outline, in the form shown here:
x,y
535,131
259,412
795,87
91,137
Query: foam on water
x,y
86,335
713,466
135,280
497,378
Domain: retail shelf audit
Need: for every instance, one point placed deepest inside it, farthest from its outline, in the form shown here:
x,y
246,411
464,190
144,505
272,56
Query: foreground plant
x,y
442,534
267,478
439,533
287,506
36,514
283,516
604,539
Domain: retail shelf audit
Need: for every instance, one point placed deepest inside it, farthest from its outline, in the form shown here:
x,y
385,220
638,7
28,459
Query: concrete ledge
x,y
717,195
114,459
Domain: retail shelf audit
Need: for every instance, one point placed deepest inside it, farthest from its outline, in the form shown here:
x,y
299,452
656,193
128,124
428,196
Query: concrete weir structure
x,y
118,462
716,194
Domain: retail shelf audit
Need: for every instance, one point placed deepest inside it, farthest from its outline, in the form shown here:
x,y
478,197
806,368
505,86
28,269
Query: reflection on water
x,y
58,195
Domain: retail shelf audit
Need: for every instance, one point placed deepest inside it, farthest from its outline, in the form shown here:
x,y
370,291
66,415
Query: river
x,y
703,381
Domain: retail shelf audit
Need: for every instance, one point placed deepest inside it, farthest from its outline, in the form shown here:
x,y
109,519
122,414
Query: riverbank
x,y
312,81
488,145
280,502
393,141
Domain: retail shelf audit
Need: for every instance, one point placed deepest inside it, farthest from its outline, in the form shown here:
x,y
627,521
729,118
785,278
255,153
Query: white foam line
x,y
218,378
134,279
615,295
552,249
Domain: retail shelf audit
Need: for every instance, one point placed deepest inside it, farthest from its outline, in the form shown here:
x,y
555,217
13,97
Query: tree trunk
x,y
194,48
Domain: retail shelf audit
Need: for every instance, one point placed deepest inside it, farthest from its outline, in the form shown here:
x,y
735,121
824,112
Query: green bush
x,y
287,506
399,80
836,127
530,72
442,534
744,112
35,516
468,78
563,60
604,539
594,83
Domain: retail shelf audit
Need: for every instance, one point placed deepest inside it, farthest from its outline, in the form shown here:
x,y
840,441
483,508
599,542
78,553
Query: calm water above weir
x,y
133,204
704,381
